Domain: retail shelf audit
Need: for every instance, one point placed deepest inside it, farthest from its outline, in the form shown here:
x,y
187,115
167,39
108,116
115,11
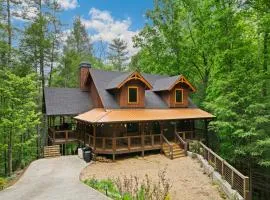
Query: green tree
x,y
77,48
118,53
18,116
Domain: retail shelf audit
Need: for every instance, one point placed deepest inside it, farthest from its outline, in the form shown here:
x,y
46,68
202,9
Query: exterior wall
x,y
94,95
122,96
169,97
83,75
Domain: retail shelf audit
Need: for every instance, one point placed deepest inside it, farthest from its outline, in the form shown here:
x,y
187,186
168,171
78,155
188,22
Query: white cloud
x,y
106,28
27,9
68,4
24,11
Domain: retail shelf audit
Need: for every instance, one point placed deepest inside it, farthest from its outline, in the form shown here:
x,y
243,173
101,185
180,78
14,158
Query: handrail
x,y
181,140
169,144
240,183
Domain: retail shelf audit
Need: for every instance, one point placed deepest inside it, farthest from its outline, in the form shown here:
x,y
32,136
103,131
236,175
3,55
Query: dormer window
x,y
178,95
132,95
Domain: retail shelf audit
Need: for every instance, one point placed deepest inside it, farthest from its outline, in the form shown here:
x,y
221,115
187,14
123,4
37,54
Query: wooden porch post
x,y
53,120
114,142
142,137
161,133
206,122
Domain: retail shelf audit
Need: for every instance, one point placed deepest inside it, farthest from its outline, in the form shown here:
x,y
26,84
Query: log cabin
x,y
124,112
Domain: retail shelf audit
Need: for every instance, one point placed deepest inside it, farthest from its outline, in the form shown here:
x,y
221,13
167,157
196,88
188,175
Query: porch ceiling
x,y
99,115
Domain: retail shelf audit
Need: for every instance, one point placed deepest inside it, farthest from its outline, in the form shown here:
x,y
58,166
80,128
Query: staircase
x,y
52,151
177,151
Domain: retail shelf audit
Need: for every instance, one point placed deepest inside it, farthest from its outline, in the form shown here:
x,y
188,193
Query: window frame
x,y
182,100
137,95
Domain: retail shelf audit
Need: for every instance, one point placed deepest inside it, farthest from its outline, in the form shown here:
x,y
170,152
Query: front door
x,y
168,131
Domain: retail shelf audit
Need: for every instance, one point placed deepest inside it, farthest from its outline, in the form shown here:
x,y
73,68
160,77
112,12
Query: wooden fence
x,y
238,181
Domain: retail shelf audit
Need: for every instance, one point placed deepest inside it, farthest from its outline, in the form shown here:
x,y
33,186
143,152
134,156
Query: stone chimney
x,y
84,70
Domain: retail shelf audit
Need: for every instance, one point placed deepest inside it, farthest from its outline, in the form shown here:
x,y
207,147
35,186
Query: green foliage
x,y
195,147
132,188
18,118
105,186
223,48
3,182
118,53
77,49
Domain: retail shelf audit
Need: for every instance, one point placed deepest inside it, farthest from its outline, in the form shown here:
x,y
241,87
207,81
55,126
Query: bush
x,y
3,182
106,186
195,147
131,188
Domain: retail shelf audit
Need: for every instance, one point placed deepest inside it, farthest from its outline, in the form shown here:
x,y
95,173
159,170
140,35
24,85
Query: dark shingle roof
x,y
103,79
165,83
72,101
66,101
119,79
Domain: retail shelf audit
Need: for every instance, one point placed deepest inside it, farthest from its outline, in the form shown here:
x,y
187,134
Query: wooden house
x,y
123,112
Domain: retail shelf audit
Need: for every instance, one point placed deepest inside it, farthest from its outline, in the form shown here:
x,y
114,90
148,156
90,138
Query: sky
x,y
104,19
109,19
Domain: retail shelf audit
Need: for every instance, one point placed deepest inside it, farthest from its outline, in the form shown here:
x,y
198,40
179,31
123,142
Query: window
x,y
178,95
132,94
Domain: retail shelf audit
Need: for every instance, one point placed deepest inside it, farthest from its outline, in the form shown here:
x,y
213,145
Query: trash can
x,y
84,149
87,156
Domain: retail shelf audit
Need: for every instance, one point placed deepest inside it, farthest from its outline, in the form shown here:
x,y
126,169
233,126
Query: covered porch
x,y
126,131
61,130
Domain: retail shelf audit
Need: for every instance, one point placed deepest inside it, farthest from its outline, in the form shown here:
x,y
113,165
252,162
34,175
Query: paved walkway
x,y
52,179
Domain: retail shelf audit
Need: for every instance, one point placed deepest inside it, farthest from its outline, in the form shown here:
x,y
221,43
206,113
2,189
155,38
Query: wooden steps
x,y
177,151
52,151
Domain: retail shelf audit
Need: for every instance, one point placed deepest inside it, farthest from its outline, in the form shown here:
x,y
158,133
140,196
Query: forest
x,y
222,47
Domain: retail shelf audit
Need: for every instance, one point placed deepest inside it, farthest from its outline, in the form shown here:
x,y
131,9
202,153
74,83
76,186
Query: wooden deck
x,y
62,136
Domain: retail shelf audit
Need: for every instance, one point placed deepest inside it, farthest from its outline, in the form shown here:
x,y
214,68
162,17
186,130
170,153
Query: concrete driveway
x,y
52,179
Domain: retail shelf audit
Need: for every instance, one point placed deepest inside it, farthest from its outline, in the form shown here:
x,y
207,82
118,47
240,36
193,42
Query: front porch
x,y
169,136
129,137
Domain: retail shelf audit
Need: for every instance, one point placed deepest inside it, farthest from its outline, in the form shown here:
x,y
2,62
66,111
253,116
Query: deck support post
x,y
193,129
94,134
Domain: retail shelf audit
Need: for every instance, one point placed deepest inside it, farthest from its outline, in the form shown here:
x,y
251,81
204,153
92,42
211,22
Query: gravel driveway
x,y
52,179
185,174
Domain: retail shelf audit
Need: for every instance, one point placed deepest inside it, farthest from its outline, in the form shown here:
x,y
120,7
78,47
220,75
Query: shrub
x,y
132,188
3,182
195,147
106,186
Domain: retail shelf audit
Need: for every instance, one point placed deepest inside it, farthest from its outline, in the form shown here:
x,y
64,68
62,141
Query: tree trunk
x,y
9,32
10,153
52,61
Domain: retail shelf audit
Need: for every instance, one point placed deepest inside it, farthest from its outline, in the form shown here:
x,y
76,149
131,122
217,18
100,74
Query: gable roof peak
x,y
119,81
169,82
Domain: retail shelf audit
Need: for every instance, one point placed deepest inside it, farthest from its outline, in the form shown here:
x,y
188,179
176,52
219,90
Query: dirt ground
x,y
187,177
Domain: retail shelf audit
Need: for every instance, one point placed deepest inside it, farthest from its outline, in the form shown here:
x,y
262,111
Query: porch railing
x,y
124,143
237,180
55,135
